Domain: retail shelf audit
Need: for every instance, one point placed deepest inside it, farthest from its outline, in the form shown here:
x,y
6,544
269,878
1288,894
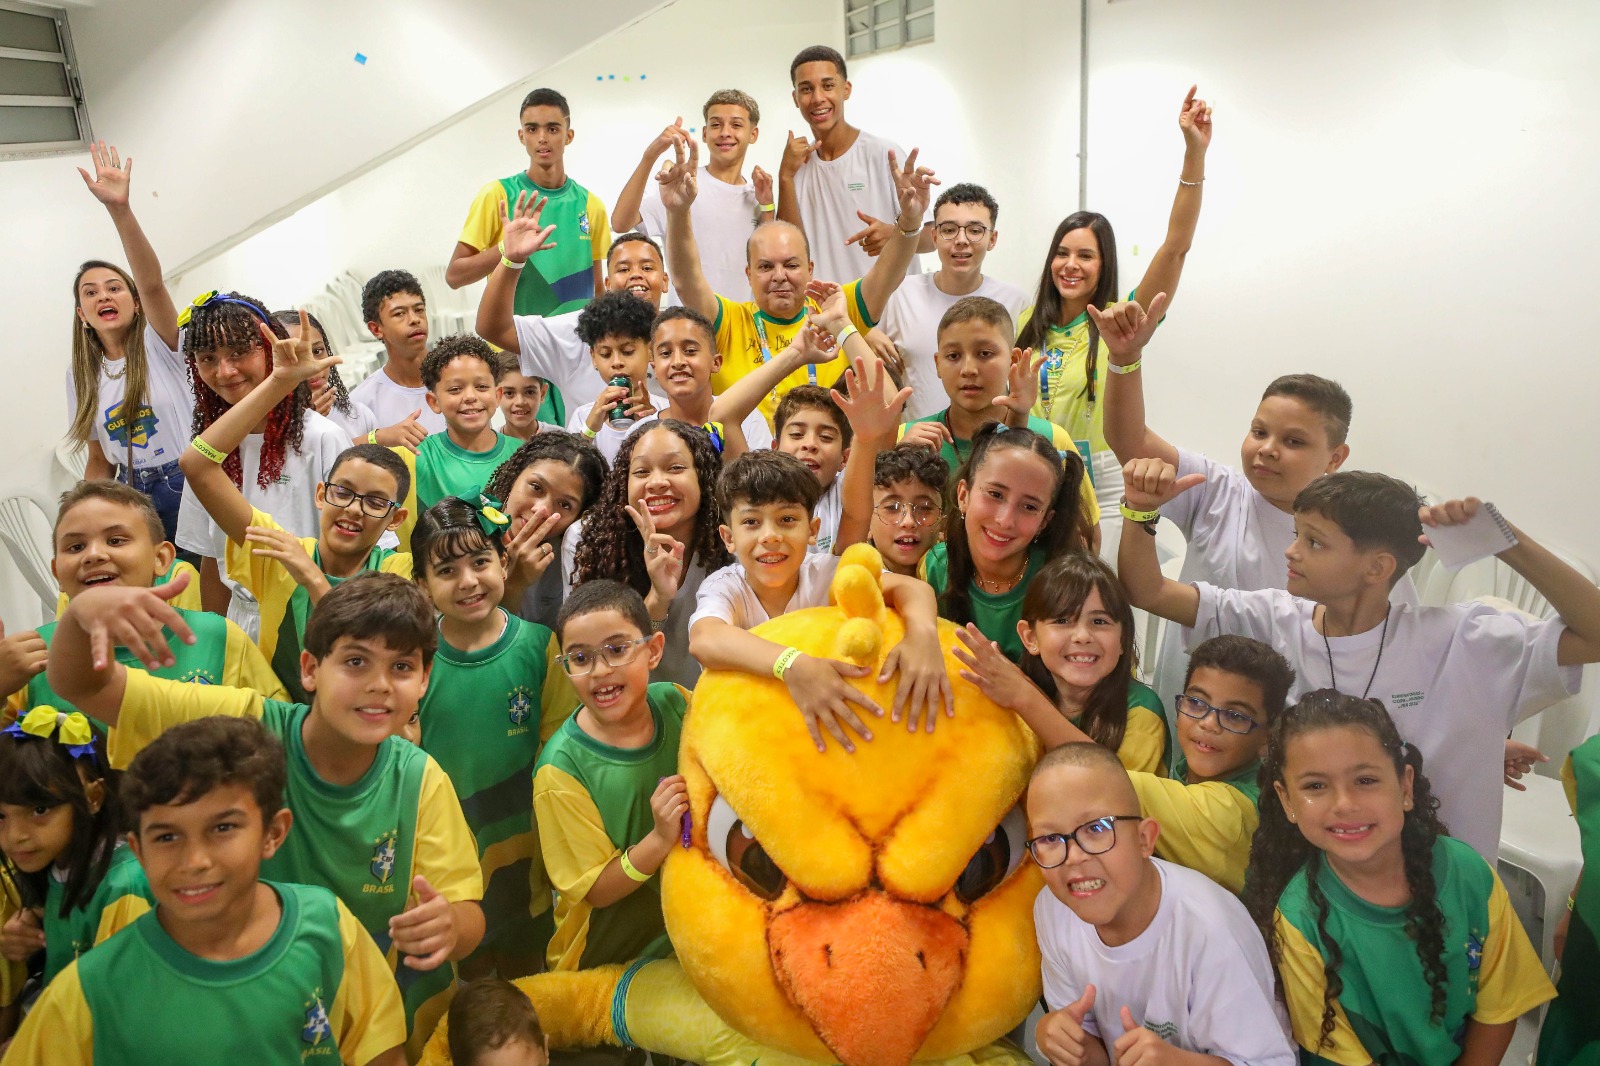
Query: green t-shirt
x,y
444,468
619,783
296,611
954,452
481,721
1570,1035
996,616
203,662
561,279
67,937
154,1003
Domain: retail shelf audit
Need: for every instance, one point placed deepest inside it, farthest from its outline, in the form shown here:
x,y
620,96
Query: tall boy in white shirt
x,y
836,186
1456,679
1142,960
728,206
964,233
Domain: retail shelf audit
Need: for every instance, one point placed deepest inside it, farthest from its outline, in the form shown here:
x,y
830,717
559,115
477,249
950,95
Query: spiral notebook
x,y
1486,533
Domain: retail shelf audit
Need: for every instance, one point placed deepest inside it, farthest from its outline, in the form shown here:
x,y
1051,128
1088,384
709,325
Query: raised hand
x,y
322,397
1126,327
796,150
1060,1034
1022,387
933,435
663,554
425,932
815,344
133,618
913,186
1449,513
872,411
1138,1046
1520,758
292,358
522,236
831,313
664,139
22,657
1149,483
884,348
986,666
680,181
111,175
285,547
762,181
873,236
1194,119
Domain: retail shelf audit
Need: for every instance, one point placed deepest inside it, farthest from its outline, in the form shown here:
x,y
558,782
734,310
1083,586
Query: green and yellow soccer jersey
x,y
995,615
485,716
285,604
1570,1035
747,337
365,841
188,599
444,468
1064,396
592,801
317,991
1144,741
1493,975
122,895
220,655
1206,826
558,279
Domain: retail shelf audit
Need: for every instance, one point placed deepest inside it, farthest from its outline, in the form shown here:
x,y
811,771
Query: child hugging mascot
x,y
868,909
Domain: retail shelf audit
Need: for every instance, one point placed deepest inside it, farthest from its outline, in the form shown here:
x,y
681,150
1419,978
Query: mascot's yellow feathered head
x,y
875,908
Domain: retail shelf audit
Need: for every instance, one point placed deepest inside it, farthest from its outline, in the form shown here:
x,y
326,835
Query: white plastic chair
x,y
447,312
25,530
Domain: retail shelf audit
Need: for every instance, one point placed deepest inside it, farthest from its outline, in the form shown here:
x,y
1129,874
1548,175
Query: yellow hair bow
x,y
71,728
199,301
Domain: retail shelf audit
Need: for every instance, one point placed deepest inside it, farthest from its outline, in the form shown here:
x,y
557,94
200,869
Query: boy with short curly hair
x,y
462,375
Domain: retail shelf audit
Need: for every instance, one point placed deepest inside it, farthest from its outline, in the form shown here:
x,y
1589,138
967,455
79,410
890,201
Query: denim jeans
x,y
164,486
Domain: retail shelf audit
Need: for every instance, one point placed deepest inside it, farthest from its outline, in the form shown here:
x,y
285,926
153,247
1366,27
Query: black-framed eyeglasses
x,y
581,662
1093,838
1232,721
947,231
892,511
341,496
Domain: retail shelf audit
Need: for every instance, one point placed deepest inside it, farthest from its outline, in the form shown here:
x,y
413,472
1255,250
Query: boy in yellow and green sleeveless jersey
x,y
228,968
109,534
189,601
357,501
376,820
1570,1035
607,794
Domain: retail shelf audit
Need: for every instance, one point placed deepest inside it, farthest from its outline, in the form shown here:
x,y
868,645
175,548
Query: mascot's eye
x,y
996,859
738,850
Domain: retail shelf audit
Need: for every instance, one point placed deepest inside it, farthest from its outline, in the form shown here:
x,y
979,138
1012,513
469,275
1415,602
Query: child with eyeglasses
x,y
357,500
908,483
607,796
1143,960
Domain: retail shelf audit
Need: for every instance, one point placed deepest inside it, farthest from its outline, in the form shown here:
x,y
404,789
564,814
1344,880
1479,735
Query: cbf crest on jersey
x,y
317,1029
383,859
520,705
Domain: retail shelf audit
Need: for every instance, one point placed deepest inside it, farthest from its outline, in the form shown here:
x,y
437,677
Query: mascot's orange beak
x,y
872,974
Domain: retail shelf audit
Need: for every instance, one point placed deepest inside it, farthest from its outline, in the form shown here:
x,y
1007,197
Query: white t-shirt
x,y
723,217
358,423
829,508
392,403
832,191
550,348
911,320
1455,679
291,501
726,593
163,430
1199,976
611,434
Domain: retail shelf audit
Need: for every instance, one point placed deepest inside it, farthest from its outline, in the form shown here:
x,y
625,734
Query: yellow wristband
x,y
507,262
633,872
208,451
1130,368
1141,517
372,438
844,334
590,433
769,207
786,659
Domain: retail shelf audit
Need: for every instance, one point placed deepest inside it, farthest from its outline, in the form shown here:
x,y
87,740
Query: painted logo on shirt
x,y
519,706
117,428
1474,953
856,186
317,1029
1165,1030
583,225
383,859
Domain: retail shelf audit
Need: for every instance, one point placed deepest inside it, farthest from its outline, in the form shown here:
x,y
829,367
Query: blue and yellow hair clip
x,y
70,728
206,299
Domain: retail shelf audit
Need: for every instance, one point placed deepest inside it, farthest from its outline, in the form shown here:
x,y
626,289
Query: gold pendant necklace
x,y
994,588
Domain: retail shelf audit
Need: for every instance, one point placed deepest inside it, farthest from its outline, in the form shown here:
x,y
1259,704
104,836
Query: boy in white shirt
x,y
615,327
837,186
964,233
1456,679
728,207
1142,960
395,312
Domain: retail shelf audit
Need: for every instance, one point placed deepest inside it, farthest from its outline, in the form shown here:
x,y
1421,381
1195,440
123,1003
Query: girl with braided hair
x,y
129,395
654,529
281,461
1394,942
329,397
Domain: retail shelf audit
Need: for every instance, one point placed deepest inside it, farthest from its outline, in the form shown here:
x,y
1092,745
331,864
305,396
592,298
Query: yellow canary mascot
x,y
867,909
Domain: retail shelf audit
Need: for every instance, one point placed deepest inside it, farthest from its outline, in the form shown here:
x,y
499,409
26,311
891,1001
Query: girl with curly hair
x,y
1394,942
226,340
329,397
654,529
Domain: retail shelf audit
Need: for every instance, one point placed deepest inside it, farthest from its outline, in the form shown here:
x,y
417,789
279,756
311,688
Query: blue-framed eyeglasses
x,y
1232,721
